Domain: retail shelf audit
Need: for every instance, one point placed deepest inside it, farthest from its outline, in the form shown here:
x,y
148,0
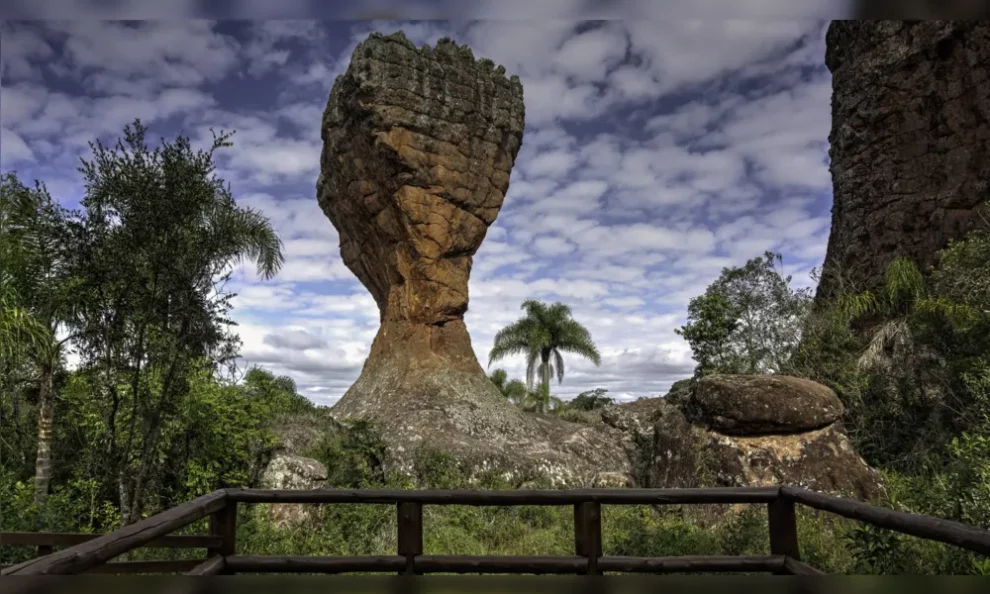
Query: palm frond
x,y
903,282
894,331
532,361
960,314
559,363
856,306
511,340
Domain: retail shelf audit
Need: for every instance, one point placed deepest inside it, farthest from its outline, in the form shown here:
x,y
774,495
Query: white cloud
x,y
13,150
645,169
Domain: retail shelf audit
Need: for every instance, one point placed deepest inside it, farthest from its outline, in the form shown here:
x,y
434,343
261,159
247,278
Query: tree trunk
x,y
545,384
46,412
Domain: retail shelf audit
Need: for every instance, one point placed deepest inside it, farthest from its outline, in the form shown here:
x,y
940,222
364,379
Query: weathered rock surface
x,y
676,448
418,145
764,404
289,471
910,142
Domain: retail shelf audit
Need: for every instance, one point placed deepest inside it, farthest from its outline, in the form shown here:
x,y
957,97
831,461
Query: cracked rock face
x,y
910,142
418,145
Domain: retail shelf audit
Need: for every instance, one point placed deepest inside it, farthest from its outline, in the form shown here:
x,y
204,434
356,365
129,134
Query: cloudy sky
x,y
655,153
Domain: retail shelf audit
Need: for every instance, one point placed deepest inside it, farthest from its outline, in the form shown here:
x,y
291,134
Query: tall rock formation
x,y
418,145
910,142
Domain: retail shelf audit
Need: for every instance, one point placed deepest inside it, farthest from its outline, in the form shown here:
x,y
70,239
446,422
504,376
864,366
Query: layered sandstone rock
x,y
910,142
678,444
418,145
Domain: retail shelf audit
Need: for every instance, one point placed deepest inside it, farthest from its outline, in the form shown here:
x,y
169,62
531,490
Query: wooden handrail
x,y
947,531
68,539
510,498
81,557
784,557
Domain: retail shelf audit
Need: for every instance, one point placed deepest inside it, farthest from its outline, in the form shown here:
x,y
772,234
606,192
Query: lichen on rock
x,y
764,404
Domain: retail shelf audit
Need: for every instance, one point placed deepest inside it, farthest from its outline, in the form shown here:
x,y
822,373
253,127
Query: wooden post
x,y
783,529
410,517
588,533
223,523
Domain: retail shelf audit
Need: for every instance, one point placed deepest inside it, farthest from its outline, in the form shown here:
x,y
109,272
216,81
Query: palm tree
x,y
35,298
19,330
513,390
543,334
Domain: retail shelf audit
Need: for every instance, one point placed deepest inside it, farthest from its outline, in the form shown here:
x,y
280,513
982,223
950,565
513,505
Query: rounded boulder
x,y
764,404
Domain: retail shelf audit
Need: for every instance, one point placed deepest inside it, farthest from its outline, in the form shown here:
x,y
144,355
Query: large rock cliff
x,y
910,142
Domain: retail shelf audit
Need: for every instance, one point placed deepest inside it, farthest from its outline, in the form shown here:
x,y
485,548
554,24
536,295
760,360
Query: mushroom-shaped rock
x,y
674,449
418,145
764,404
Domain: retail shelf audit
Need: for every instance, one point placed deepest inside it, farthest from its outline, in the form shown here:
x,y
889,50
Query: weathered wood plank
x,y
588,533
215,565
306,564
753,563
783,530
517,497
947,531
79,558
504,564
501,564
223,525
131,567
410,536
68,539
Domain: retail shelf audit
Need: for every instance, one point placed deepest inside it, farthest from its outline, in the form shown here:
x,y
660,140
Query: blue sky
x,y
655,153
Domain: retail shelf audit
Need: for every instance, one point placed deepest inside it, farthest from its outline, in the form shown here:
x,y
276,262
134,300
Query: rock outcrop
x,y
685,443
761,404
289,471
910,142
418,145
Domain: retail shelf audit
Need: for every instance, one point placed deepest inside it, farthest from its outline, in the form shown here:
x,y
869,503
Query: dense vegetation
x,y
154,413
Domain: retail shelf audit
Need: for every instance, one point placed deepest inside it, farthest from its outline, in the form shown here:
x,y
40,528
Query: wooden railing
x,y
45,543
91,554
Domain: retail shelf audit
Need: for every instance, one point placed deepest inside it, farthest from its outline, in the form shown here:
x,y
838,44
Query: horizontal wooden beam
x,y
947,531
212,566
132,567
308,564
692,563
511,498
567,565
68,539
81,557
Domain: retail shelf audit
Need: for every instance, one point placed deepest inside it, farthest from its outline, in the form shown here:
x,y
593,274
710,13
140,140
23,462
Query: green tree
x,y
278,393
162,235
923,349
543,334
514,390
37,287
748,320
591,400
